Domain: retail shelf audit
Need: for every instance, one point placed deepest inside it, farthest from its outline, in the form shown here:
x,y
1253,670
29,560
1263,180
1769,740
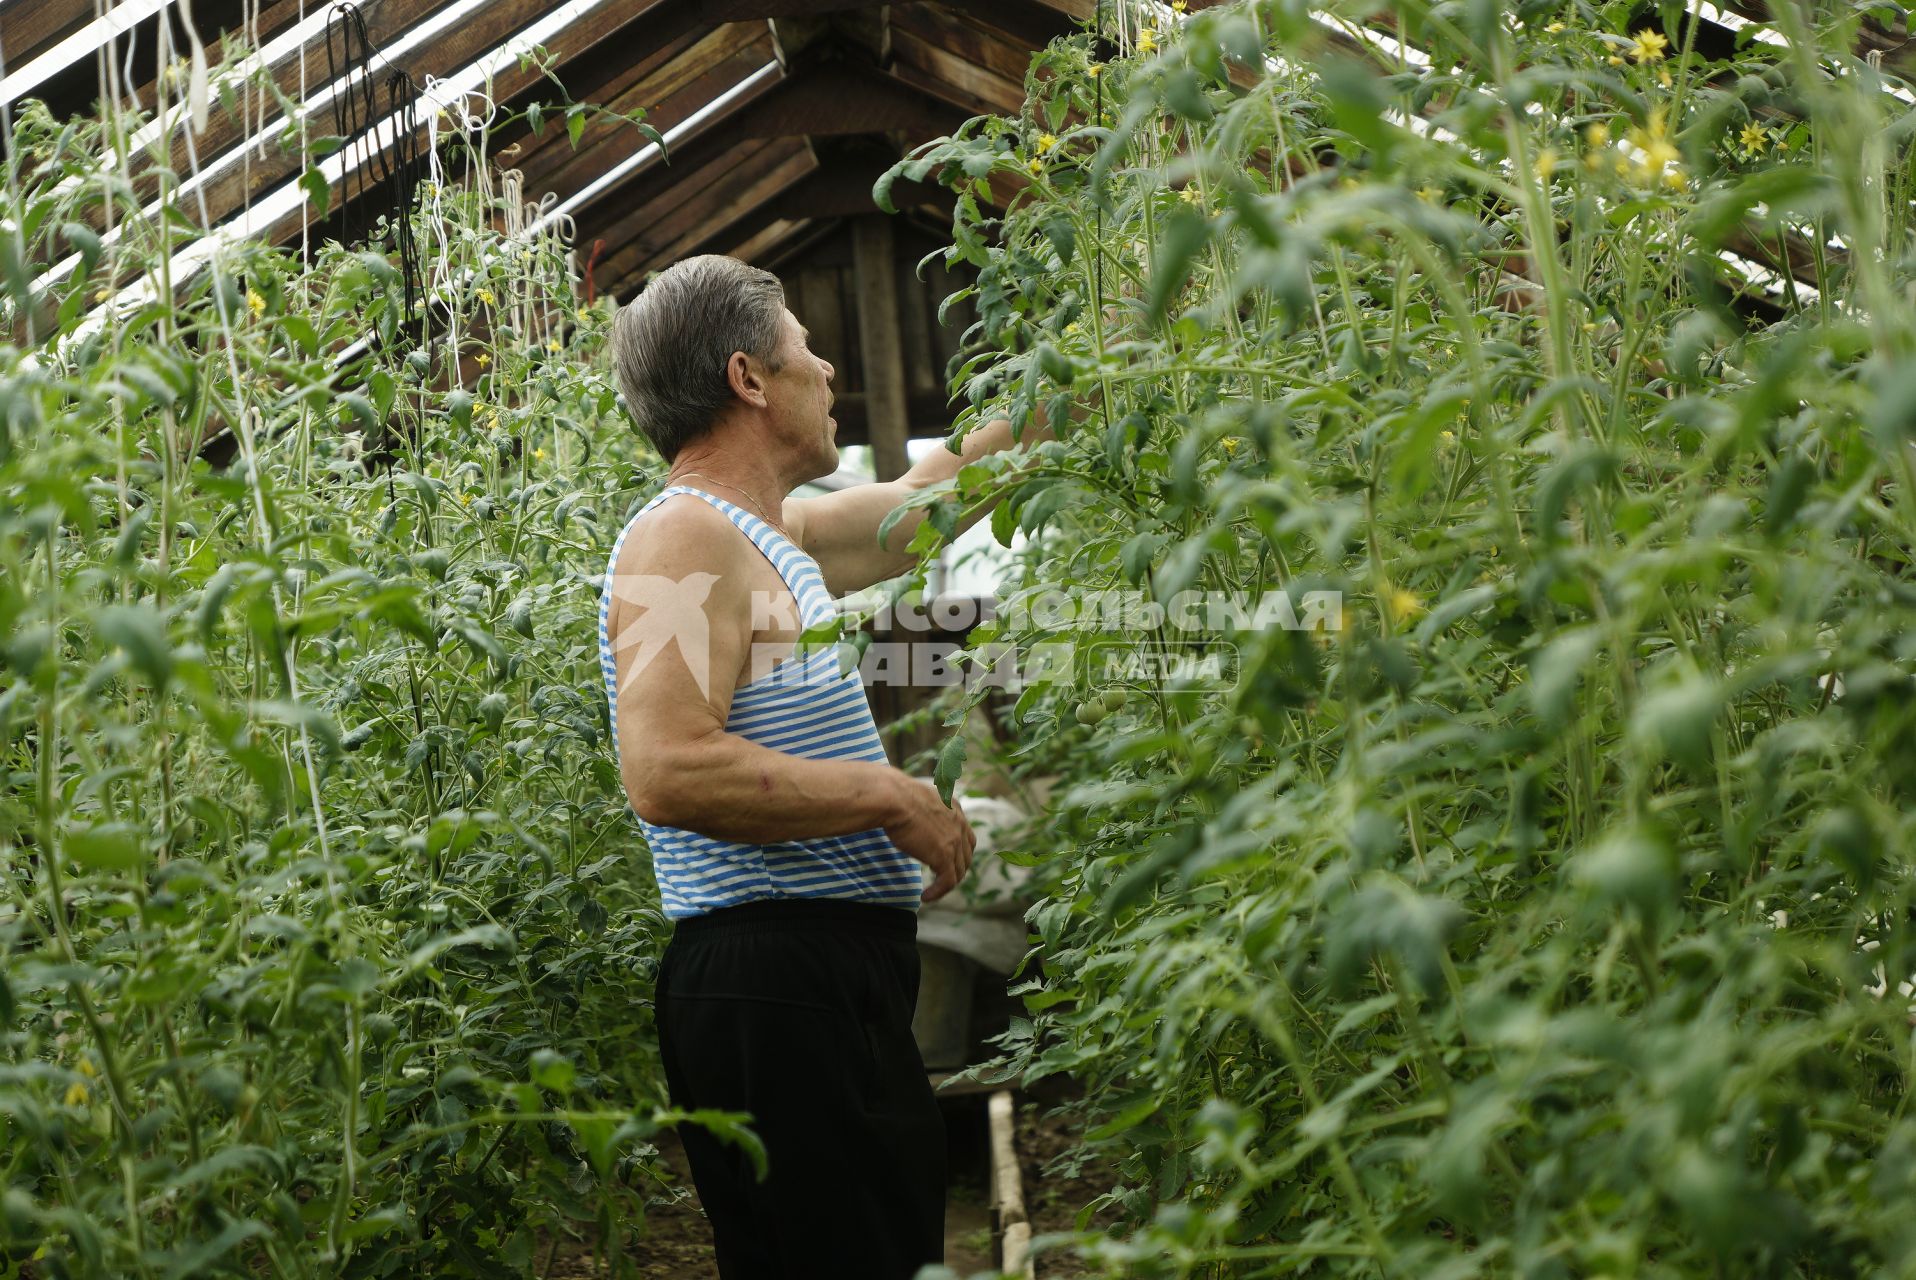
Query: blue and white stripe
x,y
804,707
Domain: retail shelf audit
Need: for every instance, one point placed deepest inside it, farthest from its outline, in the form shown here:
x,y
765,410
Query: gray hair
x,y
672,342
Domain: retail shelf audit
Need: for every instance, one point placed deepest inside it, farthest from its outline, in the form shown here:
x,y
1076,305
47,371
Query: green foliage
x,y
1548,917
328,937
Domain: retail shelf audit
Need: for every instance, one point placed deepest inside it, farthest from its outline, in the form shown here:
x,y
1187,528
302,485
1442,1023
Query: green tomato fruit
x,y
1090,711
1114,699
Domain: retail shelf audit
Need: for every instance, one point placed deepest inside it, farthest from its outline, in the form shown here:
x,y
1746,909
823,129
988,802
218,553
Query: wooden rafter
x,y
820,101
840,189
676,88
657,232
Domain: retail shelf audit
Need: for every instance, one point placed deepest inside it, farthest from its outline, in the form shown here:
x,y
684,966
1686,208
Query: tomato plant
x,y
1549,916
328,940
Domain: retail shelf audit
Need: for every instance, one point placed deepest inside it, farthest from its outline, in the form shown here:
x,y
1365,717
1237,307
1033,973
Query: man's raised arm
x,y
840,530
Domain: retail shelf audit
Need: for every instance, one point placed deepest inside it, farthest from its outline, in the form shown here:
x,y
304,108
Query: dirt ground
x,y
1053,1199
678,1241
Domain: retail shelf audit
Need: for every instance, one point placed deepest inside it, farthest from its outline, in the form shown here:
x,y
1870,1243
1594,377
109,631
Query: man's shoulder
x,y
682,534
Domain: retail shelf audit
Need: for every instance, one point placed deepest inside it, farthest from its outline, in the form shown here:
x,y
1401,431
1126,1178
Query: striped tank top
x,y
804,707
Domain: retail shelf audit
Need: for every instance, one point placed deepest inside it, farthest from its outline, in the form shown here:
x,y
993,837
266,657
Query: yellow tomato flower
x,y
1230,444
255,303
76,1094
483,359
485,296
1597,134
538,455
465,499
1648,46
1658,152
1553,27
1093,70
1614,60
1147,40
1401,605
86,1068
1035,165
1046,141
1190,195
1546,163
553,346
101,295
1753,138
1448,437
1674,177
1663,77
1179,6
1429,194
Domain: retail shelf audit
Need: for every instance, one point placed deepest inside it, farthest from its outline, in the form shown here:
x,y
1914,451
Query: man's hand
x,y
840,530
936,835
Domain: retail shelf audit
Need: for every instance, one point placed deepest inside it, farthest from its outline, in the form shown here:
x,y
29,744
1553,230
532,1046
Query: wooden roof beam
x,y
839,189
823,100
721,207
676,89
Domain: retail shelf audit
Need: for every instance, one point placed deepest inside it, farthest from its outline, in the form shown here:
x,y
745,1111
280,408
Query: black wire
x,y
402,183
378,181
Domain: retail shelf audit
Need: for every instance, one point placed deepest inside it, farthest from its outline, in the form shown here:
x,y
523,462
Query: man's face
x,y
801,392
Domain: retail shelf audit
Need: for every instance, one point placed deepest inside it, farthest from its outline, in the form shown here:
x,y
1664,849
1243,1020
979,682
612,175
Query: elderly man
x,y
790,854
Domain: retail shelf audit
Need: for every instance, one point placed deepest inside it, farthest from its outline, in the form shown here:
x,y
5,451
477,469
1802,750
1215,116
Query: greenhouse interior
x,y
1027,638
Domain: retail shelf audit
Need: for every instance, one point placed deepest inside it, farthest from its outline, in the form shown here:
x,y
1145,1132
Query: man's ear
x,y
746,379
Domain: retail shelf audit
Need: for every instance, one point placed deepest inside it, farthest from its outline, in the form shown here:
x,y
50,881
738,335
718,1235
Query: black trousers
x,y
799,1012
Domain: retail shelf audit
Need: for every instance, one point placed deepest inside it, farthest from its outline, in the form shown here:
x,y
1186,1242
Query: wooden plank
x,y
669,97
492,25
977,46
606,69
387,22
914,332
799,246
945,91
720,207
840,188
641,221
979,83
818,102
30,29
876,276
766,241
1016,22
1007,1189
828,101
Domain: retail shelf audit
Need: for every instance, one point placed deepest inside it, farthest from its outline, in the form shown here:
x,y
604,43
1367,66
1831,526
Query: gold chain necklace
x,y
757,510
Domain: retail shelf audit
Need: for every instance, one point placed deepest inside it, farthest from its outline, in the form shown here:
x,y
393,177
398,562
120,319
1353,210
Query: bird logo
x,y
670,611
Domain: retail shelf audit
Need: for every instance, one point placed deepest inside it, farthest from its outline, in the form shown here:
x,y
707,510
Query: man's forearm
x,y
993,437
722,786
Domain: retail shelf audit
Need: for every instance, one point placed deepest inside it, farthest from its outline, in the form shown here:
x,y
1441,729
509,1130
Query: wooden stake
x,y
879,342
